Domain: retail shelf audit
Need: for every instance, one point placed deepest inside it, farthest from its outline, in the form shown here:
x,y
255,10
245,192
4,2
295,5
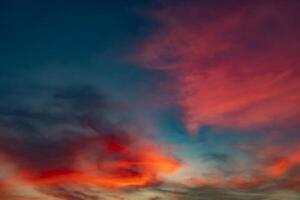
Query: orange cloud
x,y
110,161
283,165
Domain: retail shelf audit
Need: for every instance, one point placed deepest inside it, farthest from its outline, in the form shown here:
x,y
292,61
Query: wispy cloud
x,y
232,65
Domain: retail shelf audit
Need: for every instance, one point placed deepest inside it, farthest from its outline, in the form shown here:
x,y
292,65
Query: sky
x,y
149,100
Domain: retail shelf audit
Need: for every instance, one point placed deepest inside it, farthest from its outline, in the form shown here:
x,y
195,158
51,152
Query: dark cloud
x,y
66,138
67,193
225,193
58,109
155,198
218,157
43,136
220,163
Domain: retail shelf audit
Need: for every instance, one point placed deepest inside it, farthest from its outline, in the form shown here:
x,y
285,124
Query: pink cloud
x,y
232,66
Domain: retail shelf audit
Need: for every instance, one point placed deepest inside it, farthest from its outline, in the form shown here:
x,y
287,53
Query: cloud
x,y
227,193
69,193
217,157
74,145
116,161
233,65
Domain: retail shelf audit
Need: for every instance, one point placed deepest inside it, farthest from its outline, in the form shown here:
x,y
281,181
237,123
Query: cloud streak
x,y
233,65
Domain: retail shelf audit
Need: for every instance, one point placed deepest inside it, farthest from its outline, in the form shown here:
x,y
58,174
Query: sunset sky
x,y
150,100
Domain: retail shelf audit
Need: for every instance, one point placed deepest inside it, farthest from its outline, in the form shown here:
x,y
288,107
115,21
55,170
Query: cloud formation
x,y
80,148
233,65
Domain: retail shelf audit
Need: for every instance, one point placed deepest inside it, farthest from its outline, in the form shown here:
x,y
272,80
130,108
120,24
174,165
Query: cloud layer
x,y
80,148
233,64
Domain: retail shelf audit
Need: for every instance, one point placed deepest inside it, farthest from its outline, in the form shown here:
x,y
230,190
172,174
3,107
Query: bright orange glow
x,y
114,175
127,165
281,166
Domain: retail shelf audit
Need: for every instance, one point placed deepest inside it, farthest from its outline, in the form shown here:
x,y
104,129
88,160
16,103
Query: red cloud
x,y
233,65
281,166
107,161
236,182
